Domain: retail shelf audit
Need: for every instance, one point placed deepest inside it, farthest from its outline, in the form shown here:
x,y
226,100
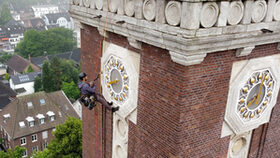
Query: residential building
x,y
195,78
18,65
41,10
71,55
6,95
30,120
24,84
59,20
34,24
3,69
11,34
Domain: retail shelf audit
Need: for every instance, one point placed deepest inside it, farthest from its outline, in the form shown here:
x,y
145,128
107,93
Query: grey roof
x,y
55,102
19,64
20,79
74,55
6,93
53,17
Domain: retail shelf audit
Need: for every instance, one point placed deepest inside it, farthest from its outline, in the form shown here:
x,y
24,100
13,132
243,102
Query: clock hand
x,y
114,82
260,90
249,104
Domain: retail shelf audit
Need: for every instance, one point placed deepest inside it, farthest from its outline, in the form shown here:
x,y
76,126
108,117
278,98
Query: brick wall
x,y
185,115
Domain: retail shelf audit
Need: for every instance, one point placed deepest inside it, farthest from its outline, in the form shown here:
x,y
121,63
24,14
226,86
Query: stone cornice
x,y
188,42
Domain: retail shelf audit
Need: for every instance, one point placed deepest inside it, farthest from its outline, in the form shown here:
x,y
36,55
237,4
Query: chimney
x,y
29,58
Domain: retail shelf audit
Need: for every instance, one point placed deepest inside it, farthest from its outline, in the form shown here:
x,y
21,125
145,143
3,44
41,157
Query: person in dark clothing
x,y
89,95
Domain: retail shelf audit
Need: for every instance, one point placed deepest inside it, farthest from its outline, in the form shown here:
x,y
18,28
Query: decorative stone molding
x,y
183,27
236,11
244,51
259,12
173,13
278,46
134,43
209,14
239,145
276,14
102,33
86,3
149,9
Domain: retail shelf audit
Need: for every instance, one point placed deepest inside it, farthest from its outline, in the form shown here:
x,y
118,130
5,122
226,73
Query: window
x,y
42,121
25,153
45,145
42,101
34,138
22,141
52,118
35,148
29,104
45,134
31,123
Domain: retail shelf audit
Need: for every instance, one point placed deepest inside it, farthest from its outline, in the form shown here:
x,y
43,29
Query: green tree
x,y
5,57
5,14
42,154
56,69
68,140
38,84
71,90
70,72
30,69
47,78
7,76
52,41
17,152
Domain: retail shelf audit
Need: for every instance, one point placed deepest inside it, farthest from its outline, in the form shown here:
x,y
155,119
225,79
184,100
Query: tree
x,y
38,84
30,69
5,14
7,76
5,57
47,78
71,90
68,140
55,67
52,41
70,72
17,152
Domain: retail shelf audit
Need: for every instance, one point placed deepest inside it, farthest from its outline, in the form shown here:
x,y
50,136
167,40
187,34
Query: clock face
x,y
116,80
255,95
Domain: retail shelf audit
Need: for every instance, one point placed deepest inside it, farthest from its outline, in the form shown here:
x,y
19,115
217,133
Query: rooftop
x,y
20,79
5,94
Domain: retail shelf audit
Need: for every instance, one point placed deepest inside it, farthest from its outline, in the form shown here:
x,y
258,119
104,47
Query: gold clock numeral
x,y
124,95
126,87
108,68
111,63
270,84
108,85
265,102
242,100
116,63
269,93
252,115
259,111
266,77
242,109
124,77
111,93
260,75
107,76
252,80
120,98
121,68
116,98
246,115
245,89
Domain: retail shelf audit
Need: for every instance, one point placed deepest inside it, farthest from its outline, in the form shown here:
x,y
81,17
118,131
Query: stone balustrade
x,y
189,29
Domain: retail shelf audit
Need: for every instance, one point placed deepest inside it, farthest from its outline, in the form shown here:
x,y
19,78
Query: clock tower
x,y
192,78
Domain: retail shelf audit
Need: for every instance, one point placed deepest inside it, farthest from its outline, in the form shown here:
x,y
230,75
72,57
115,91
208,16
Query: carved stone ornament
x,y
209,14
114,5
149,9
236,12
87,3
99,4
259,11
253,93
76,2
239,145
129,7
173,13
277,11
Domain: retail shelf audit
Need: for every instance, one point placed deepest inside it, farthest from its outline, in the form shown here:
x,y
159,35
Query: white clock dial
x,y
255,95
116,79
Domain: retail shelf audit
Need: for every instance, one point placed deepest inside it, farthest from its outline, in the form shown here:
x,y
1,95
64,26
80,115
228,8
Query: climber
x,y
89,94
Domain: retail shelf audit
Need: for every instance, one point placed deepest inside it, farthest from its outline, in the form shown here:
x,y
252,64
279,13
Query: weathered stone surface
x,y
149,9
160,11
173,13
190,15
270,10
134,43
244,51
99,4
114,5
138,9
276,14
209,14
121,7
236,11
259,11
222,19
129,7
247,12
86,3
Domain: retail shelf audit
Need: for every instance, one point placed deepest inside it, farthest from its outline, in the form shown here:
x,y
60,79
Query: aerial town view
x,y
139,79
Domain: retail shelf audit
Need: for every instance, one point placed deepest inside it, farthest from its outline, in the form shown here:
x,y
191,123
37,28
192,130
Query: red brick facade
x,y
185,115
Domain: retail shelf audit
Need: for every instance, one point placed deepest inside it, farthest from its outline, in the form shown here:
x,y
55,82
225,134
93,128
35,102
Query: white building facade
x,y
41,10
